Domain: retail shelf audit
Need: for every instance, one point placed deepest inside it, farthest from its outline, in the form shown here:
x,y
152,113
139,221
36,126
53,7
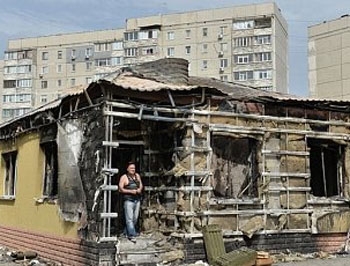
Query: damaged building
x,y
271,170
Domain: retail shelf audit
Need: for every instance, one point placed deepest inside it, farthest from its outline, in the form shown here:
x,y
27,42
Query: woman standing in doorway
x,y
130,185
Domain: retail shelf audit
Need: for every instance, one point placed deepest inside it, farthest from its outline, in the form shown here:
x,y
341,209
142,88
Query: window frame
x,y
50,189
10,192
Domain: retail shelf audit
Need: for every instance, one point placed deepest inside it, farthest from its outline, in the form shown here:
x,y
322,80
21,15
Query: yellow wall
x,y
24,212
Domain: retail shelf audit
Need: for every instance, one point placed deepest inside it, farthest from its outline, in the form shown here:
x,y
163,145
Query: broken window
x,y
326,166
50,178
9,160
235,167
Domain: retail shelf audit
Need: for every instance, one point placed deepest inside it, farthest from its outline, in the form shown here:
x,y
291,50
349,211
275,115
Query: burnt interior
x,y
326,157
235,167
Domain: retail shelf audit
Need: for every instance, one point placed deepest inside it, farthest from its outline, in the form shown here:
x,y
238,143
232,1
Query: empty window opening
x,y
9,160
326,166
50,178
235,167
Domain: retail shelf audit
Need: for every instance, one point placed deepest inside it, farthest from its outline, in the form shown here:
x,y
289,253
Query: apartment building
x,y
244,44
329,59
38,70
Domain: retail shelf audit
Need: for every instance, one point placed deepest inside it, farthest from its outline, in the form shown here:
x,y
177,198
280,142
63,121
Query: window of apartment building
x,y
262,39
260,57
88,65
239,156
242,41
243,75
131,36
170,51
205,32
102,47
24,83
223,47
263,74
10,55
148,50
204,48
224,62
44,70
88,52
223,77
149,34
59,68
45,55
117,61
243,58
188,34
6,113
243,25
10,69
131,52
11,98
20,111
59,54
262,23
170,35
326,167
117,46
73,54
21,98
27,54
72,82
188,49
222,30
50,177
43,98
8,84
59,83
10,163
152,34
103,62
88,80
25,69
204,64
73,67
44,84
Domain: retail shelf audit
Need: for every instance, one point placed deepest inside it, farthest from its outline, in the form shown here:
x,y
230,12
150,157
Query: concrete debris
x,y
23,258
295,256
22,255
252,225
172,256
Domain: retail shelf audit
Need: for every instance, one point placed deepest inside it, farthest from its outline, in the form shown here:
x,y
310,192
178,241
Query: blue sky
x,y
28,18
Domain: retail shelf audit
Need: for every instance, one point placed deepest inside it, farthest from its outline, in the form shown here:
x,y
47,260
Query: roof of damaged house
x,y
171,74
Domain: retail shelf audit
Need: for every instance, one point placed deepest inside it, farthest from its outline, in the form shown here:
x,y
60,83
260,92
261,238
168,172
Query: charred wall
x,y
90,163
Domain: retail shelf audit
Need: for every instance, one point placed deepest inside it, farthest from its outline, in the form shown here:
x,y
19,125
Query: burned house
x,y
272,170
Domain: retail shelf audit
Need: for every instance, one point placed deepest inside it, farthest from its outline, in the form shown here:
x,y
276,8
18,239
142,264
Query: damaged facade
x,y
264,166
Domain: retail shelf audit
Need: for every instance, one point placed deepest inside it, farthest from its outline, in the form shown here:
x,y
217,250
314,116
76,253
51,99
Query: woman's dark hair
x,y
129,163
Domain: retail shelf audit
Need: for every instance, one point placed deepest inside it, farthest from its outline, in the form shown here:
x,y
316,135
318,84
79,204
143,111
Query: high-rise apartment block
x,y
244,44
329,59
